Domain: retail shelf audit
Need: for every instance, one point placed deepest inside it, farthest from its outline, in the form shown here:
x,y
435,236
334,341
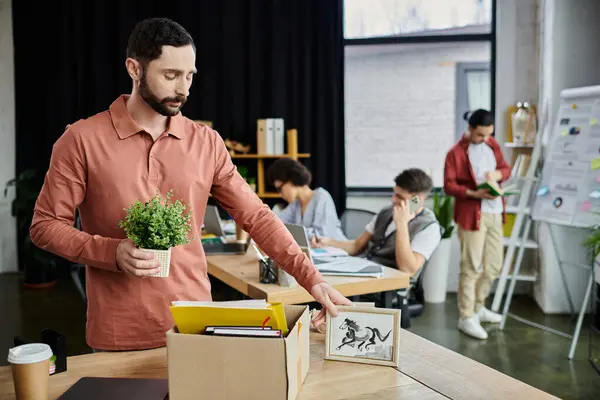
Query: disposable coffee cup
x,y
30,369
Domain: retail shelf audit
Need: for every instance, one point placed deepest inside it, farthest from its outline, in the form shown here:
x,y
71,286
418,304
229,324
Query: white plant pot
x,y
164,256
285,279
435,280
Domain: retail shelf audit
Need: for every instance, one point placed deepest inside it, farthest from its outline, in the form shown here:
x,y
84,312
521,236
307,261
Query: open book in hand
x,y
495,189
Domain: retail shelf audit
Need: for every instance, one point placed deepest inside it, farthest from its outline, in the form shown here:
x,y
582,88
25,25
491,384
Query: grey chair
x,y
412,299
354,222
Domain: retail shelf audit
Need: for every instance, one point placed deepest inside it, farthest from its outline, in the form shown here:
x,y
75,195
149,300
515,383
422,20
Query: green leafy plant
x,y
24,201
158,224
593,241
39,265
443,208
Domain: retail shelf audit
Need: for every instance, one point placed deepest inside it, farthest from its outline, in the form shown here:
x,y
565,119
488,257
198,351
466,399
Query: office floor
x,y
525,353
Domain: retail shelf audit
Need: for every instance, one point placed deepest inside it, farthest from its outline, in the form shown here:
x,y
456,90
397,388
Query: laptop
x,y
214,248
345,266
117,389
301,236
214,225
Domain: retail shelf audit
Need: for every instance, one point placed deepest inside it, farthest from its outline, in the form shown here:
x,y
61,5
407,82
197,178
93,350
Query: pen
x,y
259,253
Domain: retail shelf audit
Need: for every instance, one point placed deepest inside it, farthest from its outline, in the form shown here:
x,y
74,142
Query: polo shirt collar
x,y
126,126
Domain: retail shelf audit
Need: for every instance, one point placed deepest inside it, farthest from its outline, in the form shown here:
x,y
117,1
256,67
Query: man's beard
x,y
160,106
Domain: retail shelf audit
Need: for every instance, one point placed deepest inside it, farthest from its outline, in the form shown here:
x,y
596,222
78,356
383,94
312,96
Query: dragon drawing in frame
x,y
355,336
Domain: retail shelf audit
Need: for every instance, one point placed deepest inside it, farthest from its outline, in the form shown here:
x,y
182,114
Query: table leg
x,y
388,298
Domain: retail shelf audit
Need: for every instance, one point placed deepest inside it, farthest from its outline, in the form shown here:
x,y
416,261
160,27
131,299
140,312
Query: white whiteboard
x,y
571,172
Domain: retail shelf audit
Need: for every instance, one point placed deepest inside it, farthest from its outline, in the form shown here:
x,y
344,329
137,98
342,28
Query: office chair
x,y
354,221
412,299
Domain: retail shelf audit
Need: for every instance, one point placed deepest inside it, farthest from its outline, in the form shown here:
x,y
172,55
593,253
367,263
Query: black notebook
x,y
118,389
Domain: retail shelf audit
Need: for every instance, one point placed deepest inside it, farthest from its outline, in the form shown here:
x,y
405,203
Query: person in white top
x,y
397,237
475,159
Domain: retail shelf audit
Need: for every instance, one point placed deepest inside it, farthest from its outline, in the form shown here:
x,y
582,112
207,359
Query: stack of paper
x,y
328,252
351,266
195,316
229,304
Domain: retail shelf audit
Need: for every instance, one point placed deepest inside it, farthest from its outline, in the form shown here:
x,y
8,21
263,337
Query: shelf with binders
x,y
519,145
261,158
239,159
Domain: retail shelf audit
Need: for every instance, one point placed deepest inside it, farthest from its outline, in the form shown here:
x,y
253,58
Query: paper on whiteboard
x,y
570,179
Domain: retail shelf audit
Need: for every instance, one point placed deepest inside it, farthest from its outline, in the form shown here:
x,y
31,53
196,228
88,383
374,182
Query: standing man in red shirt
x,y
477,158
142,144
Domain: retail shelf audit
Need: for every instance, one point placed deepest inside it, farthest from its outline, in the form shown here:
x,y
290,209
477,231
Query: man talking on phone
x,y
402,235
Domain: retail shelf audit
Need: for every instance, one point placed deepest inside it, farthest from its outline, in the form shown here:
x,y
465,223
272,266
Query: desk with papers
x,y
241,273
427,371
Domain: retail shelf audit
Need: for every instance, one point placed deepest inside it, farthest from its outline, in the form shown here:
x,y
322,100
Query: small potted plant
x,y
157,226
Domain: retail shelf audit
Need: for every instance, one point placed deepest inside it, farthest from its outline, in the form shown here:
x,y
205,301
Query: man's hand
x,y
482,194
328,297
134,261
493,176
402,215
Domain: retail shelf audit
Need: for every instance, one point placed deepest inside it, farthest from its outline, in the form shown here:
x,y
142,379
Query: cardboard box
x,y
218,367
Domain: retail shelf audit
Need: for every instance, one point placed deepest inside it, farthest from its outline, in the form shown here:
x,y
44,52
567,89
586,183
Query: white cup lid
x,y
29,353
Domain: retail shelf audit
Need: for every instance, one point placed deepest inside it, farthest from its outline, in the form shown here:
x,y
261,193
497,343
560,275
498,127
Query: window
x,y
473,91
405,97
381,18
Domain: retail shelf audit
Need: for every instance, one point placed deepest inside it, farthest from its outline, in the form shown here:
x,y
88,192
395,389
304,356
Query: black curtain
x,y
255,59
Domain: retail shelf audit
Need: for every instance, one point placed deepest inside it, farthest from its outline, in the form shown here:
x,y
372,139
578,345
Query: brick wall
x,y
400,108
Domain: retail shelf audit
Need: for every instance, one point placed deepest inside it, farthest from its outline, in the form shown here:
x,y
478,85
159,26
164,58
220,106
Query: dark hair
x,y
414,180
479,118
150,35
288,170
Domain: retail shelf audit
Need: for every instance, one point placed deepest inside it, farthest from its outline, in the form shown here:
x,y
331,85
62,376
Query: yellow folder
x,y
195,319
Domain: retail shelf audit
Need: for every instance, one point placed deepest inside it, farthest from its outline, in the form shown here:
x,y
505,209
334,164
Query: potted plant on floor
x,y
436,274
592,243
39,266
157,226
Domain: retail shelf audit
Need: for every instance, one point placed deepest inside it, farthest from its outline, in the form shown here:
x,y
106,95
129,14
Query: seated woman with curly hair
x,y
314,209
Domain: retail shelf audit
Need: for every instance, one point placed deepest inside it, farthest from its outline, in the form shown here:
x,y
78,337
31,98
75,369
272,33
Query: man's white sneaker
x,y
486,315
472,327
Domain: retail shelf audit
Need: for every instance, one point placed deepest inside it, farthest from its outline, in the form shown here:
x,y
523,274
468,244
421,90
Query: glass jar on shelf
x,y
524,126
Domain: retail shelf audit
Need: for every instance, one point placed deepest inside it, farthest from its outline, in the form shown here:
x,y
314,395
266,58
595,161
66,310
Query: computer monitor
x,y
301,237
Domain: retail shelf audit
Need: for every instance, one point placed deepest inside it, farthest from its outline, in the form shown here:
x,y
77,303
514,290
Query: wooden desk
x,y
241,273
427,371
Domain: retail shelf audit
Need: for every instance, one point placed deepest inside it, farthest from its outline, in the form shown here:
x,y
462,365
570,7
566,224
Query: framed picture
x,y
364,335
